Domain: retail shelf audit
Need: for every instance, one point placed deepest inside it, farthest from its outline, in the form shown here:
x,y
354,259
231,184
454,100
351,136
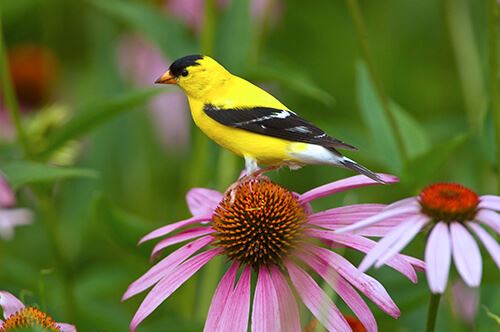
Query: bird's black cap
x,y
180,64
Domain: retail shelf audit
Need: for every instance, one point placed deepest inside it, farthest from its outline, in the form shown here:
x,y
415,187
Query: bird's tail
x,y
351,164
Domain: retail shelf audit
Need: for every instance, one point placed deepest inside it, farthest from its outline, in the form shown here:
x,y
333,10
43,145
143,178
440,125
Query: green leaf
x,y
382,135
235,36
415,140
423,169
293,79
20,173
170,35
93,115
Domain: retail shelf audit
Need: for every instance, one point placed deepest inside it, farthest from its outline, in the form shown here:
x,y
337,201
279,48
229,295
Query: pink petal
x,y
7,197
188,234
10,304
490,202
343,185
220,298
347,215
366,284
63,327
265,304
403,202
418,265
489,242
490,219
384,244
169,284
379,217
236,311
316,300
466,255
399,263
403,240
172,227
438,257
166,266
288,310
202,201
346,292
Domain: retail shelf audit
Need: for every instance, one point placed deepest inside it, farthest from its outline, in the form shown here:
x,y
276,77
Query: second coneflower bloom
x,y
262,227
453,213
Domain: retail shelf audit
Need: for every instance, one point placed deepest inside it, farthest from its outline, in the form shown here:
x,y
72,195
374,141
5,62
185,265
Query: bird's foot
x,y
232,189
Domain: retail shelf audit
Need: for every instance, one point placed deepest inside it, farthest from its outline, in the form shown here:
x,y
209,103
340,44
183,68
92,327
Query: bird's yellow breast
x,y
240,93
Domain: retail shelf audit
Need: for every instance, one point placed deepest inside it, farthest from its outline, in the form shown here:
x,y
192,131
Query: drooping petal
x,y
490,202
169,284
220,298
357,242
466,255
162,231
236,312
384,244
289,312
490,219
265,304
337,218
10,304
316,300
489,242
188,234
63,327
343,185
202,201
438,257
403,240
363,282
379,217
345,291
402,202
418,265
165,266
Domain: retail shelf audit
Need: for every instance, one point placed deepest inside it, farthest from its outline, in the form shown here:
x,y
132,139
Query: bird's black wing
x,y
274,122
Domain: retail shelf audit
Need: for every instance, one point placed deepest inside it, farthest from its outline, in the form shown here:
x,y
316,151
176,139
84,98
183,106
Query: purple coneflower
x,y
451,211
266,228
10,218
18,316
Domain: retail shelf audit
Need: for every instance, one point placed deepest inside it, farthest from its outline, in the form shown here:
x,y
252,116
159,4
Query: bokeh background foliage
x,y
415,97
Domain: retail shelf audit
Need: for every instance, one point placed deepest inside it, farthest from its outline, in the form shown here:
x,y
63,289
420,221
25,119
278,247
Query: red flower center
x,y
29,317
449,202
259,223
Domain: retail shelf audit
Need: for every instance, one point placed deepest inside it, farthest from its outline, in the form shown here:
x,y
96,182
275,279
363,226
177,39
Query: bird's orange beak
x,y
166,78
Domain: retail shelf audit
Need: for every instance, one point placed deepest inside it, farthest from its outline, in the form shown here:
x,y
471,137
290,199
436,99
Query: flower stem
x,y
362,36
493,79
10,97
432,313
63,265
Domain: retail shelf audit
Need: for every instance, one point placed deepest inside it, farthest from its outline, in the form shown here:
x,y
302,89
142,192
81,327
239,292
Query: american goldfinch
x,y
250,122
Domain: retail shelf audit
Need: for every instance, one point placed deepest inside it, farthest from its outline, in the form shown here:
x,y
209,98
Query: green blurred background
x,y
109,157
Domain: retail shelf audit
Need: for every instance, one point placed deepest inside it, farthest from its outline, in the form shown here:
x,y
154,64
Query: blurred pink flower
x,y
191,11
262,226
142,62
465,302
449,209
10,218
18,316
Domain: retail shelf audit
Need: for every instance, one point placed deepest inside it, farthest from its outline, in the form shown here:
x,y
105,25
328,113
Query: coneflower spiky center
x,y
449,202
29,317
259,222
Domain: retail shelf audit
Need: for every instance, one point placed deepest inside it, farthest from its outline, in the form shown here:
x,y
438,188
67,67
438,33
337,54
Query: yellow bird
x,y
252,123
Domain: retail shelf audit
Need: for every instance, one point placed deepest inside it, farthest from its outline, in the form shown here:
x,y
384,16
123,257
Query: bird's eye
x,y
184,73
